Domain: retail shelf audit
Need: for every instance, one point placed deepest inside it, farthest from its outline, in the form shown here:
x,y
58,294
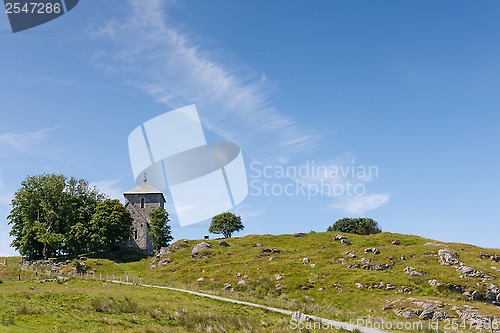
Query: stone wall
x,y
140,210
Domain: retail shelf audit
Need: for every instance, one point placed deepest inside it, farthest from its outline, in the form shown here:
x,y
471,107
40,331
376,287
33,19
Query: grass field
x,y
88,306
326,286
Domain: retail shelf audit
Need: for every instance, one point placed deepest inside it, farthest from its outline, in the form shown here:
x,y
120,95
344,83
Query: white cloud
x,y
361,204
247,212
342,179
168,65
110,187
23,141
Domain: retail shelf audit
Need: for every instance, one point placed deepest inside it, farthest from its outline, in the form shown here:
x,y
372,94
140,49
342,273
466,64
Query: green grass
x,y
331,286
88,306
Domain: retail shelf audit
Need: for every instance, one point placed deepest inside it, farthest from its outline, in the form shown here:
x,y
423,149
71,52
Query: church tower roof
x,y
144,188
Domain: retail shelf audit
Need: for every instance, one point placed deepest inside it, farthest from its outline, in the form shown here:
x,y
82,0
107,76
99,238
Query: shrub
x,y
359,225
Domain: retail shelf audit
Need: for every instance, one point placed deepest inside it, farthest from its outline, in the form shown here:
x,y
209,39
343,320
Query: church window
x,y
142,202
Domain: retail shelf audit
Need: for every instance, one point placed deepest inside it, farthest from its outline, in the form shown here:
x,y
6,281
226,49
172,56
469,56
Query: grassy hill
x,y
383,277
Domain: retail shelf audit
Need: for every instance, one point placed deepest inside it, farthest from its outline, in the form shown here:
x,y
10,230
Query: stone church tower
x,y
140,201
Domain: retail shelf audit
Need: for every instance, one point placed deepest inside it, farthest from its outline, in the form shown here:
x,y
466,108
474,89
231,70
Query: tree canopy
x,y
359,225
159,229
44,211
53,215
226,224
110,226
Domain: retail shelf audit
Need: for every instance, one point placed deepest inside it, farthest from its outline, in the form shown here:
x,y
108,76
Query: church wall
x,y
139,210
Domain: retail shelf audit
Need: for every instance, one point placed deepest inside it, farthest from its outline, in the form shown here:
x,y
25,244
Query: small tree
x,y
359,225
159,230
110,225
226,224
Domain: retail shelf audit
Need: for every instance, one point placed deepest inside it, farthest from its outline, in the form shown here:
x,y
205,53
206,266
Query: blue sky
x,y
411,88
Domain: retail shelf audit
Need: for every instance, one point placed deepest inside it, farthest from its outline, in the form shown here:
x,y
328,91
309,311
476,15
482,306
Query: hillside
x,y
384,277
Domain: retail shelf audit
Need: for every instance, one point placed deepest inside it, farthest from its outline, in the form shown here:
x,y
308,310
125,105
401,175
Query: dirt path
x,y
324,322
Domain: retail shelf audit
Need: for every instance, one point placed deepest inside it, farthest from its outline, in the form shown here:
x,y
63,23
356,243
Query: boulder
x,y
448,257
164,251
164,262
472,272
434,283
345,242
427,314
372,250
200,247
224,244
413,272
305,261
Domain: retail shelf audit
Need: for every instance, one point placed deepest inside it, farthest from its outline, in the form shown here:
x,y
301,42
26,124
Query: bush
x,y
359,225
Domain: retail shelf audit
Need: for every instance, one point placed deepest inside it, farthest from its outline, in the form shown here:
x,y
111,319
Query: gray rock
x,y
227,286
305,261
472,272
298,316
224,244
299,234
164,251
448,257
345,242
201,280
372,250
339,237
434,283
427,314
164,262
413,272
396,242
200,247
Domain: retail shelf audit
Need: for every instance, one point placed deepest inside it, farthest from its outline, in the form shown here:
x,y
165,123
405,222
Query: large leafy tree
x,y
44,210
226,224
359,225
159,229
110,226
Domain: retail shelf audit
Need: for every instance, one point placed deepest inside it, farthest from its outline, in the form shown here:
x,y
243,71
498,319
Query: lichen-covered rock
x,y
413,272
200,247
448,257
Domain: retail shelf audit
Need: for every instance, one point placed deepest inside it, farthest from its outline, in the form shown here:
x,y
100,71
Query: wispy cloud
x,y
359,205
168,65
110,187
25,140
343,180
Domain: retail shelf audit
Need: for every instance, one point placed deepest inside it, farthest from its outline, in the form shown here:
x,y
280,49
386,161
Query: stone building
x,y
140,201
